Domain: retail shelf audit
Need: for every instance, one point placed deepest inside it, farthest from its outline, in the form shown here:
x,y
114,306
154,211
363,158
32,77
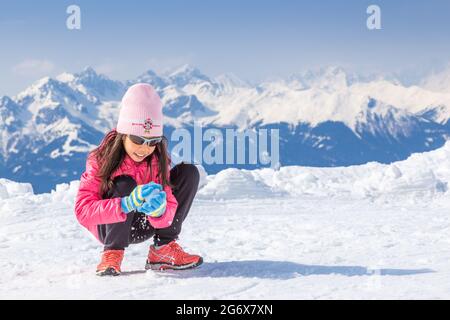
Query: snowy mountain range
x,y
328,117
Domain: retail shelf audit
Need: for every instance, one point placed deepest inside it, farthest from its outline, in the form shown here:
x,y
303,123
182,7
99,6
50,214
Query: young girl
x,y
128,193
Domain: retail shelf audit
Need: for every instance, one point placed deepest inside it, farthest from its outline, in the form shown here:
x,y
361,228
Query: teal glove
x,y
138,195
154,205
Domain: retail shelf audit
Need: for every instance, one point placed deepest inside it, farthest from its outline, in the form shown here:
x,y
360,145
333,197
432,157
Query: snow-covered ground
x,y
371,231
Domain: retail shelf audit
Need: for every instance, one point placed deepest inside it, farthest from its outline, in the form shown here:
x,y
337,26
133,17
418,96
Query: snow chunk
x,y
65,193
234,184
10,189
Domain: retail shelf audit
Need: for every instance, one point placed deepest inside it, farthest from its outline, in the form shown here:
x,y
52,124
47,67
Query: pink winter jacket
x,y
91,210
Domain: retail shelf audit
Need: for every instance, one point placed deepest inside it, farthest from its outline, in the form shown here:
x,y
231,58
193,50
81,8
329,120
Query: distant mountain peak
x,y
187,74
184,69
92,83
331,77
150,77
150,72
230,79
42,82
88,71
41,87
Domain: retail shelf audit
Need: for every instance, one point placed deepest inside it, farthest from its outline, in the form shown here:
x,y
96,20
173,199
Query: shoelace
x,y
113,257
178,251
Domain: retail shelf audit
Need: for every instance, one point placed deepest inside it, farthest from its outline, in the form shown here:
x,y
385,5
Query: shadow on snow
x,y
283,270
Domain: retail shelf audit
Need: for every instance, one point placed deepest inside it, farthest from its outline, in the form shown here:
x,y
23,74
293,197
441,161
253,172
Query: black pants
x,y
117,236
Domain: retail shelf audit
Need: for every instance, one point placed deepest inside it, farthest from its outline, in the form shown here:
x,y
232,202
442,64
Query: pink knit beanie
x,y
141,112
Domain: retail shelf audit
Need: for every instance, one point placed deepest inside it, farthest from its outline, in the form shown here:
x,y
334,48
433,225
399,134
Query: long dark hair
x,y
111,152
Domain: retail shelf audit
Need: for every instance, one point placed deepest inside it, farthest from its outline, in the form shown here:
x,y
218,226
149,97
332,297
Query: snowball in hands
x,y
155,204
138,195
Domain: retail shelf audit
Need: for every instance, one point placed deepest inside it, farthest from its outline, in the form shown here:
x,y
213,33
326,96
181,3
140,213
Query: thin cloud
x,y
33,68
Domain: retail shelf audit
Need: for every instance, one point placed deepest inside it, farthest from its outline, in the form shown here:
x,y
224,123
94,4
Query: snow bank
x,y
65,192
421,176
236,184
10,188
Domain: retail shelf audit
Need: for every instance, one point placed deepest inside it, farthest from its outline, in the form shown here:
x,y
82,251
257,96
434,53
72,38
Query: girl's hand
x,y
138,195
154,206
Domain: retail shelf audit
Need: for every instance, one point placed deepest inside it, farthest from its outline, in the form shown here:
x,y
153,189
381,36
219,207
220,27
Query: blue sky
x,y
255,39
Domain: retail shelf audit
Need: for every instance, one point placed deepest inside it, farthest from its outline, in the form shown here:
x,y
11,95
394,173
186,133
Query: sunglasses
x,y
141,140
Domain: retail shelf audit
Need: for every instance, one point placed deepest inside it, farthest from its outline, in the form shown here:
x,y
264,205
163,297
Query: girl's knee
x,y
123,185
190,172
